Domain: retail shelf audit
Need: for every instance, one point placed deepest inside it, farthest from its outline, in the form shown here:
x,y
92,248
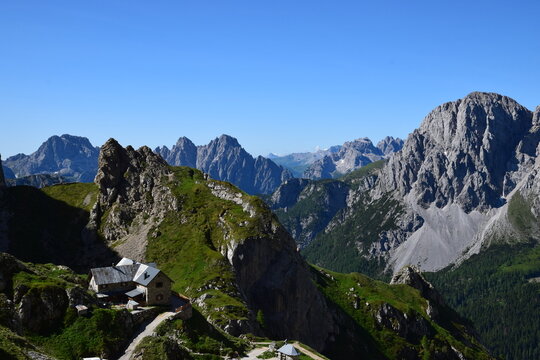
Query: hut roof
x,y
134,293
145,274
114,274
289,350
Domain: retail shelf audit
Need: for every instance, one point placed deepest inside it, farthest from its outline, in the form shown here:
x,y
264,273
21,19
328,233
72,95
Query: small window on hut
x,y
159,284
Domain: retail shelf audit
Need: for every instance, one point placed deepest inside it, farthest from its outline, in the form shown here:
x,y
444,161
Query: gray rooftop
x,y
134,293
145,274
289,350
114,274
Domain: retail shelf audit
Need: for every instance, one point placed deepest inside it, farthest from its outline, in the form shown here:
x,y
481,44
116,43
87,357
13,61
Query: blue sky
x,y
281,76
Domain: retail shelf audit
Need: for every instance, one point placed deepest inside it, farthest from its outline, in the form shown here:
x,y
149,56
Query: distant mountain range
x,y
338,160
69,158
224,159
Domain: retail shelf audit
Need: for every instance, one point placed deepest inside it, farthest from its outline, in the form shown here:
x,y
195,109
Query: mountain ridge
x,y
224,158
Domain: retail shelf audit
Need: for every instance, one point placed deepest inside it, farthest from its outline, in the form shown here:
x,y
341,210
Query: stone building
x,y
143,283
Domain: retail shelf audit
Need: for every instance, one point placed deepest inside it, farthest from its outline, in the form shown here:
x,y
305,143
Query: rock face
x,y
412,276
132,194
457,172
411,328
461,153
70,156
224,159
351,155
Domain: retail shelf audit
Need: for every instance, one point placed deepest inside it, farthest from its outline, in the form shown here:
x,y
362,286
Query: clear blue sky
x,y
281,76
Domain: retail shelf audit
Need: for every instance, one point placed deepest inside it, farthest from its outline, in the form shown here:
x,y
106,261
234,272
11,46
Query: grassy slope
x,y
189,242
382,343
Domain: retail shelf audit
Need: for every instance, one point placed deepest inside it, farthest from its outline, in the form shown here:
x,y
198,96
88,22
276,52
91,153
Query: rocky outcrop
x,y
9,265
69,156
410,275
411,327
40,309
132,197
37,307
352,155
288,193
263,264
224,159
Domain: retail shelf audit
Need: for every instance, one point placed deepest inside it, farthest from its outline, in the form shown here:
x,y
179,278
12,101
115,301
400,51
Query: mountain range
x,y
224,159
338,160
462,191
222,248
459,201
70,158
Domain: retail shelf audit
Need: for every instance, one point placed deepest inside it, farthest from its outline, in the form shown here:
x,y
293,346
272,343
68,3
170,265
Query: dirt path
x,y
147,331
252,355
307,352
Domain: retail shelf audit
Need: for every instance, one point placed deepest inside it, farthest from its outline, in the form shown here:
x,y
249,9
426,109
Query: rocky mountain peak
x,y
184,141
227,140
225,159
133,195
69,156
390,145
460,153
117,165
